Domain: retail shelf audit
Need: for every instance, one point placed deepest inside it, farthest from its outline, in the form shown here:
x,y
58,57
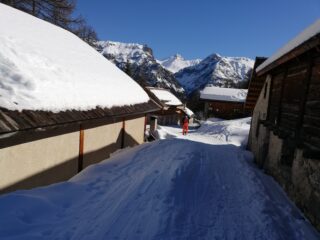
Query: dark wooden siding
x,y
255,86
311,120
292,97
11,121
294,104
275,100
225,110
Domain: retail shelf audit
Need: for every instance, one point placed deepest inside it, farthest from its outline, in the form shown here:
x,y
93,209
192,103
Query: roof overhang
x,y
14,121
222,101
313,42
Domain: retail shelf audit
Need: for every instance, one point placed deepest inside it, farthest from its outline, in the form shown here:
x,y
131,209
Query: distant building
x,y
285,130
224,103
172,109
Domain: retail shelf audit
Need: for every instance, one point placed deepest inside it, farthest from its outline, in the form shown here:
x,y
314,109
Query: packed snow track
x,y
169,189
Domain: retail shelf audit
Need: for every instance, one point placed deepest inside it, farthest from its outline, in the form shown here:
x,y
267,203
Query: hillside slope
x,y
138,62
217,71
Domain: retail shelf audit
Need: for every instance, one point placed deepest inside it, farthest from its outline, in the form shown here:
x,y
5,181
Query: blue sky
x,y
197,28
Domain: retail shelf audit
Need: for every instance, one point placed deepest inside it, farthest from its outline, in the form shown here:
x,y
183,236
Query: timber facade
x,y
226,103
255,85
285,130
222,109
168,114
39,148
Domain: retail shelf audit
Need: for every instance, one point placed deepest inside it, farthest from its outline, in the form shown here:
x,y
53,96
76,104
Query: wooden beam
x,y
123,131
281,95
306,84
81,146
145,126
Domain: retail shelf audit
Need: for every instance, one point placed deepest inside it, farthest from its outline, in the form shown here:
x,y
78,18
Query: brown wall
x,y
285,136
226,110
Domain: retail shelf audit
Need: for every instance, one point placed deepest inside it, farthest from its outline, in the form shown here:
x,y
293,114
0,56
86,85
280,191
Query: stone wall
x,y
299,177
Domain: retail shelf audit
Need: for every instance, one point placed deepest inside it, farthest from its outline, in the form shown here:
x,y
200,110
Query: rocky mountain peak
x,y
137,60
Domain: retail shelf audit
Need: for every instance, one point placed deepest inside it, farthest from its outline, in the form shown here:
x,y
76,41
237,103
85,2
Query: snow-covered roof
x,y
166,96
224,94
188,111
305,35
44,67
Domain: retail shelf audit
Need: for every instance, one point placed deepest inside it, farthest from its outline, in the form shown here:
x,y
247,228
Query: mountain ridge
x,y
216,70
185,77
138,61
176,62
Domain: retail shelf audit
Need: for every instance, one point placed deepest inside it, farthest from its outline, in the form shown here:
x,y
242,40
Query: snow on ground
x,y
44,67
224,94
195,187
213,131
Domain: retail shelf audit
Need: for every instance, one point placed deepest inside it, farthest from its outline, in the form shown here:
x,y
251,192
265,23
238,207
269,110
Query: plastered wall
x,y
134,132
99,142
39,162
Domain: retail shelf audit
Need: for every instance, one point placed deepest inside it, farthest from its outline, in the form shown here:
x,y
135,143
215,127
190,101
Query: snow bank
x,y
44,67
165,96
305,35
224,94
213,131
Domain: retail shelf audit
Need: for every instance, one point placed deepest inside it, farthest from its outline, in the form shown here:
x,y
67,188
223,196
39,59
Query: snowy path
x,y
169,189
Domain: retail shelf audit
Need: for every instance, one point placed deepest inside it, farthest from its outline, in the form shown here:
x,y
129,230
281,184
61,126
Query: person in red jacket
x,y
185,125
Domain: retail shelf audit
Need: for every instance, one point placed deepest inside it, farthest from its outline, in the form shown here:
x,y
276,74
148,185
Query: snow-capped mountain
x,y
138,61
217,71
176,62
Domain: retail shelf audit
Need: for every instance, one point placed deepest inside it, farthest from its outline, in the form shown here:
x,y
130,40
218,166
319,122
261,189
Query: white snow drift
x,y
43,67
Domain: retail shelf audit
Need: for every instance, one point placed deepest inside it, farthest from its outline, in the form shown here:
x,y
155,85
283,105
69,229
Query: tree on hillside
x,y
58,12
85,32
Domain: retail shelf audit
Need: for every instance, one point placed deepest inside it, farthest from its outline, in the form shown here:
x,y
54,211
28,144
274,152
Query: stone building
x,y
285,130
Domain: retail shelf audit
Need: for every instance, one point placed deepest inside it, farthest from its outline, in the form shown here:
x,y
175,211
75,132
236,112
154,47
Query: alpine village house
x,y
285,129
172,109
226,103
59,117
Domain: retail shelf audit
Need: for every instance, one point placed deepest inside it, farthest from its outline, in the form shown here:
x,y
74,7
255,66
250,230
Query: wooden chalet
x,y
226,103
255,85
172,109
285,129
